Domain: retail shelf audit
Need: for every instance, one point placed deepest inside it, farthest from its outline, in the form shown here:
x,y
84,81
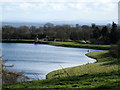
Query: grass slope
x,y
79,45
100,75
105,63
102,80
58,43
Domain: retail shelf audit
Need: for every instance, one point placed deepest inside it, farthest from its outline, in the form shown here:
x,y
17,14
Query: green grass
x,y
105,63
79,45
60,43
101,80
100,75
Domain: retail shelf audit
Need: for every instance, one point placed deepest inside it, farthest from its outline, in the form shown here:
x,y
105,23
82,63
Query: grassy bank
x,y
79,45
60,43
100,75
105,63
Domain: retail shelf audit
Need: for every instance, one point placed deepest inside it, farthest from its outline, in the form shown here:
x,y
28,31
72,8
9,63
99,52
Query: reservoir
x,y
40,59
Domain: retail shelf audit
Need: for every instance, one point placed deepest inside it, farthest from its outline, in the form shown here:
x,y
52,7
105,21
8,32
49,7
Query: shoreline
x,y
54,44
95,65
84,76
78,65
89,61
62,44
86,54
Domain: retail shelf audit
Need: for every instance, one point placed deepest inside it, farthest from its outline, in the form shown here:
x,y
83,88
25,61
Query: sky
x,y
59,10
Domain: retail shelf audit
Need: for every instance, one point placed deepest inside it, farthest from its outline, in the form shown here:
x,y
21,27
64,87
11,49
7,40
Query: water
x,y
41,59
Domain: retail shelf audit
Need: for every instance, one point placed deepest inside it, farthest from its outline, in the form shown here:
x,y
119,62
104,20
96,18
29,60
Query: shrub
x,y
115,50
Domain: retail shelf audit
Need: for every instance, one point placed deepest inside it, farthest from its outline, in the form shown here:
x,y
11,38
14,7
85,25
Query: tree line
x,y
95,34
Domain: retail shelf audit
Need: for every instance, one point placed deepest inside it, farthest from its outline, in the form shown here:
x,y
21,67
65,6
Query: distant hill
x,y
41,24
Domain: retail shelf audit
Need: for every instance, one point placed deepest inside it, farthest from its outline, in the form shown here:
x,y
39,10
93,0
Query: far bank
x,y
60,43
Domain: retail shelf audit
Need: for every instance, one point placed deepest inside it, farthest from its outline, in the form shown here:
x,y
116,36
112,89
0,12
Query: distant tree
x,y
24,32
93,26
105,39
86,32
77,26
40,32
74,35
104,31
61,35
8,32
51,34
48,25
33,29
67,29
96,33
113,34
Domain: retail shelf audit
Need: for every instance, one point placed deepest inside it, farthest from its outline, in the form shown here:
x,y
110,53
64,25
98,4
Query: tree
x,y
74,35
105,35
93,26
104,31
77,26
8,32
24,32
96,33
113,34
48,25
86,32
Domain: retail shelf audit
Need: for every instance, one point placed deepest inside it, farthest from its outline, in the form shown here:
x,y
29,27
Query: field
x,y
100,75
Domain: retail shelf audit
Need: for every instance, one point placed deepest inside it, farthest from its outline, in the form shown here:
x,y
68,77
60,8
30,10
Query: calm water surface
x,y
40,59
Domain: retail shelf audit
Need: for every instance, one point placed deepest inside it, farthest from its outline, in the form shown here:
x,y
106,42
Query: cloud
x,y
25,5
103,1
77,5
101,5
61,9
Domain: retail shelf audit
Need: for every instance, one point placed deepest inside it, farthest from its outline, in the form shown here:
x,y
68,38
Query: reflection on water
x,y
40,59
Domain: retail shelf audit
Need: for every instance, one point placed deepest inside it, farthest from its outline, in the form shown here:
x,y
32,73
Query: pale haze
x,y
60,10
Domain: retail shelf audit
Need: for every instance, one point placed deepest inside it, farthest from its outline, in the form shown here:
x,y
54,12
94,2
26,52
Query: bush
x,y
12,77
115,50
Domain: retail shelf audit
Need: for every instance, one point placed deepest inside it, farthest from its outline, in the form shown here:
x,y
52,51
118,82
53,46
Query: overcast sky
x,y
59,10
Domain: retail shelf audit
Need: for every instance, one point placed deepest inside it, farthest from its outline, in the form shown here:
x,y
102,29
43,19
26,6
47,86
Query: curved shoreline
x,y
54,44
98,75
63,44
85,61
86,54
90,68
